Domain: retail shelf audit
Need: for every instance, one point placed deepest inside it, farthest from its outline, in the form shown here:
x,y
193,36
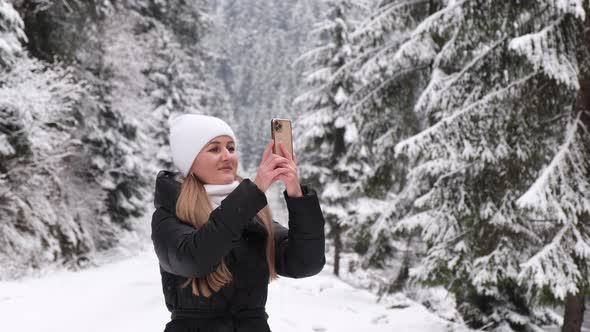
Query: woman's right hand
x,y
271,166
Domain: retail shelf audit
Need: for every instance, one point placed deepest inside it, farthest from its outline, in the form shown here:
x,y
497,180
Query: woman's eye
x,y
215,149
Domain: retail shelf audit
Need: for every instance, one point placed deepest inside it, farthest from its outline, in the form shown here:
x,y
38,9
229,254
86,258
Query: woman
x,y
214,236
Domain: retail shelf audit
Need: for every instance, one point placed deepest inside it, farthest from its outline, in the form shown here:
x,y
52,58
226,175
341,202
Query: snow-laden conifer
x,y
37,124
11,33
391,63
498,104
322,131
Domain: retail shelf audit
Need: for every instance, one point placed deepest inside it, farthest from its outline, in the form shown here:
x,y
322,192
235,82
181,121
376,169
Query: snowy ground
x,y
125,295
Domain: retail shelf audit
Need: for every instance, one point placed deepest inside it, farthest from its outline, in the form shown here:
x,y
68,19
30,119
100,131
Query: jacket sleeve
x,y
300,249
187,251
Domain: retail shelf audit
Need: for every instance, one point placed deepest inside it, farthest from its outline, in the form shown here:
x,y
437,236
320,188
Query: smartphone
x,y
280,130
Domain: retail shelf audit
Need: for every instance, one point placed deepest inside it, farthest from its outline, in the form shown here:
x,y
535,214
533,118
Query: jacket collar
x,y
167,191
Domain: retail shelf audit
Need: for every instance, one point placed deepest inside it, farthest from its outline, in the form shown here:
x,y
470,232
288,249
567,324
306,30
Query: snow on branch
x,y
546,50
321,27
417,221
553,267
382,17
491,269
448,246
315,95
448,14
315,123
413,145
409,51
441,83
412,56
563,188
319,76
11,33
314,54
574,7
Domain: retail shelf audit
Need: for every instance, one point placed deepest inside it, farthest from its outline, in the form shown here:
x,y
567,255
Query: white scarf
x,y
217,192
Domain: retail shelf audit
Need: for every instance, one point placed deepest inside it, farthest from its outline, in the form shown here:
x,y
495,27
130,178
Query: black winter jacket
x,y
235,233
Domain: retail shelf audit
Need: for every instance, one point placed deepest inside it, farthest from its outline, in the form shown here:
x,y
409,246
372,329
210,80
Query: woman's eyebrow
x,y
216,142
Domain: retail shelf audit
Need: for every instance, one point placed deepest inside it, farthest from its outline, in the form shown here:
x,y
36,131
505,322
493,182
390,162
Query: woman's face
x,y
217,163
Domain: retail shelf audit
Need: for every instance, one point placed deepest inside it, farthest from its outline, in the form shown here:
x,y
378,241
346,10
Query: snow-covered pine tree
x,y
191,65
392,65
11,34
37,119
153,64
160,67
106,168
112,136
109,173
559,271
501,94
321,132
392,76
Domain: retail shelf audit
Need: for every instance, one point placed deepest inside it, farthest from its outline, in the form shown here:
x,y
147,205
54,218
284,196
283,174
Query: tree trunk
x,y
575,304
574,312
337,248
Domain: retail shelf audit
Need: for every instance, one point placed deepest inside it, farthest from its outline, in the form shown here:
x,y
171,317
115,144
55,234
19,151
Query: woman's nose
x,y
226,154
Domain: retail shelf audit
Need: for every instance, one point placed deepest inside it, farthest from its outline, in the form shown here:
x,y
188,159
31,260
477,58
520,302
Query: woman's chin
x,y
227,178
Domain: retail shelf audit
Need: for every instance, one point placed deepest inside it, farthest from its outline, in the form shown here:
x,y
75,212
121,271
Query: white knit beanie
x,y
189,133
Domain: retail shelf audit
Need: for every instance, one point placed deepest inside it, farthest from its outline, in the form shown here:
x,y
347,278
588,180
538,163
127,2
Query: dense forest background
x,y
448,139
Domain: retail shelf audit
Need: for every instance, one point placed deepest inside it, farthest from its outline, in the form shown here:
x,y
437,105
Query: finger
x,y
275,160
279,177
266,152
288,172
282,167
269,158
286,153
285,177
290,166
277,171
288,175
282,160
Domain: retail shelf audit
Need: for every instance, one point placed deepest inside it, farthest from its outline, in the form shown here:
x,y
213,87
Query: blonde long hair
x,y
193,207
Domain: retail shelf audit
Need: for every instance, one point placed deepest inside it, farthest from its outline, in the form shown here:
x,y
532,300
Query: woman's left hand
x,y
290,178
